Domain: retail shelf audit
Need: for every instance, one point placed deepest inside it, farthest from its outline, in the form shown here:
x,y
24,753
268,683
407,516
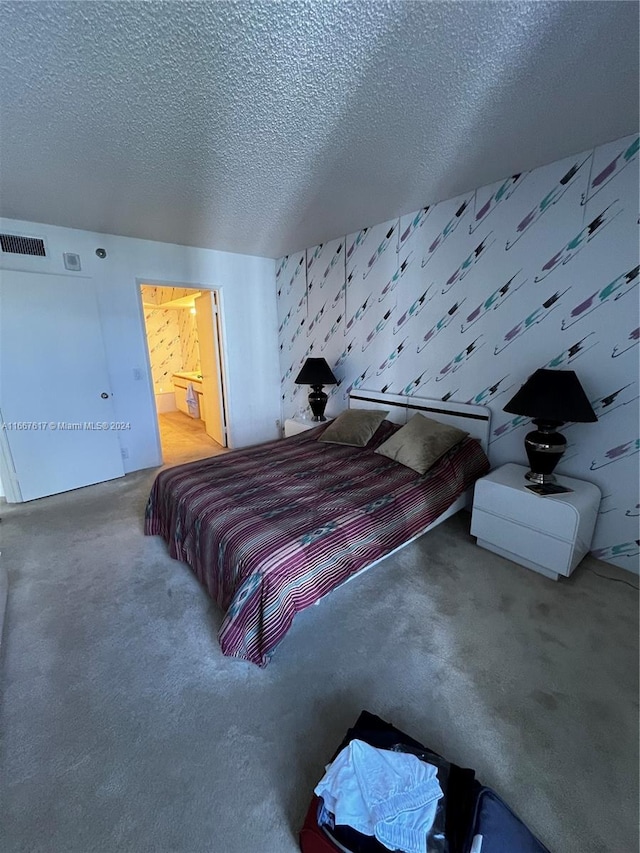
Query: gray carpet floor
x,y
125,729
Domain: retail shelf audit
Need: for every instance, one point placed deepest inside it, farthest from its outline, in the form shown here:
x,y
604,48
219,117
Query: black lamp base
x,y
545,447
317,402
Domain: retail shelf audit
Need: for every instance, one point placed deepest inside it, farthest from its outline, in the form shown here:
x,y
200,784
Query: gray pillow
x,y
420,443
355,427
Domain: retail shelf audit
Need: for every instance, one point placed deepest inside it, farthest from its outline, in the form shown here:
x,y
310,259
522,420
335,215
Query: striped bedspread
x,y
271,529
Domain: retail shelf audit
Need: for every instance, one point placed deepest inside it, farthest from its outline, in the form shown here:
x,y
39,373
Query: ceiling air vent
x,y
22,245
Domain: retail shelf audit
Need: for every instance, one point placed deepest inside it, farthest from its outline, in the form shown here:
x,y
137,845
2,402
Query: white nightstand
x,y
292,426
549,534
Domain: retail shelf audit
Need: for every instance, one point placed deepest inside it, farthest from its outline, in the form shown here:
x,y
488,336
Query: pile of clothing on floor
x,y
392,796
386,791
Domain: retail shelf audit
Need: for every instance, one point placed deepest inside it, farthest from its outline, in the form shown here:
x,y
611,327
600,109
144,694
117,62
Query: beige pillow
x,y
420,443
355,427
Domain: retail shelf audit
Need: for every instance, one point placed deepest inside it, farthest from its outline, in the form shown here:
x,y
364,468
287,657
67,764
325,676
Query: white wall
x,y
247,287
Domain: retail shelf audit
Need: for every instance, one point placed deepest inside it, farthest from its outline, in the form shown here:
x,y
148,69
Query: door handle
x,y
104,395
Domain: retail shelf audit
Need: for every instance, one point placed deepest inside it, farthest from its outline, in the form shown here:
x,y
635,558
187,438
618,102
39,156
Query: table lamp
x,y
550,398
316,372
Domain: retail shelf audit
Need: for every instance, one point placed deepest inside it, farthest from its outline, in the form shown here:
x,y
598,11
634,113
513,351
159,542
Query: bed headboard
x,y
476,420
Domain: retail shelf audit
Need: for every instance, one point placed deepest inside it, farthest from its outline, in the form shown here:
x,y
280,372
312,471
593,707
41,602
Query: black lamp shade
x,y
552,397
315,371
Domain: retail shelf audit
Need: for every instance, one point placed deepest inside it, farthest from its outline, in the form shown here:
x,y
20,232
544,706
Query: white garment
x,y
192,400
391,795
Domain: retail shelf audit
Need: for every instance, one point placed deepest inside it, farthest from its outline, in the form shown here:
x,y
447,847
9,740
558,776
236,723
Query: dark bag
x,y
496,829
475,819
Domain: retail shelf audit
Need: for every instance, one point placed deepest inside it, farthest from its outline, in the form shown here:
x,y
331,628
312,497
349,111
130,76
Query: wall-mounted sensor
x,y
72,261
101,253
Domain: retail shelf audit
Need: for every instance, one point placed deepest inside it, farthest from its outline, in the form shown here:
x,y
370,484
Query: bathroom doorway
x,y
184,339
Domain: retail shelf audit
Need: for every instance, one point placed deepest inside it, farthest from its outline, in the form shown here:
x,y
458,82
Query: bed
x,y
272,529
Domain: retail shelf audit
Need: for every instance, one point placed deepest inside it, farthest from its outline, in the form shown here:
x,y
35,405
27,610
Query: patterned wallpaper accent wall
x,y
464,299
173,344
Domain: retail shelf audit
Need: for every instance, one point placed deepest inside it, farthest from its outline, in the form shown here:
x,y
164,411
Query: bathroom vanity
x,y
181,382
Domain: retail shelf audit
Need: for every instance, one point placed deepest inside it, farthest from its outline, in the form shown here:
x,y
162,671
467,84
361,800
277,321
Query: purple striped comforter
x,y
271,529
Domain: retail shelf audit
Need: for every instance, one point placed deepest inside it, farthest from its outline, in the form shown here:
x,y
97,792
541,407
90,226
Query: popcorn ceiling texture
x,y
262,127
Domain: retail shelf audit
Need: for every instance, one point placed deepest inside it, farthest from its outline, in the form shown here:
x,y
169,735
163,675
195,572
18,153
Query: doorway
x,y
184,341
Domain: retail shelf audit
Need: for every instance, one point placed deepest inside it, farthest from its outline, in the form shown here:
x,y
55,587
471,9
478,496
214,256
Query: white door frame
x,y
7,469
190,285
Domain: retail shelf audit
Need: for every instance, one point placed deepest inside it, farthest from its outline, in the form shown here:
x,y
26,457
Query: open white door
x,y
207,321
56,413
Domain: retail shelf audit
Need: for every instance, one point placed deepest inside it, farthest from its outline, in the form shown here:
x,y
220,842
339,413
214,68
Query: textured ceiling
x,y
264,127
